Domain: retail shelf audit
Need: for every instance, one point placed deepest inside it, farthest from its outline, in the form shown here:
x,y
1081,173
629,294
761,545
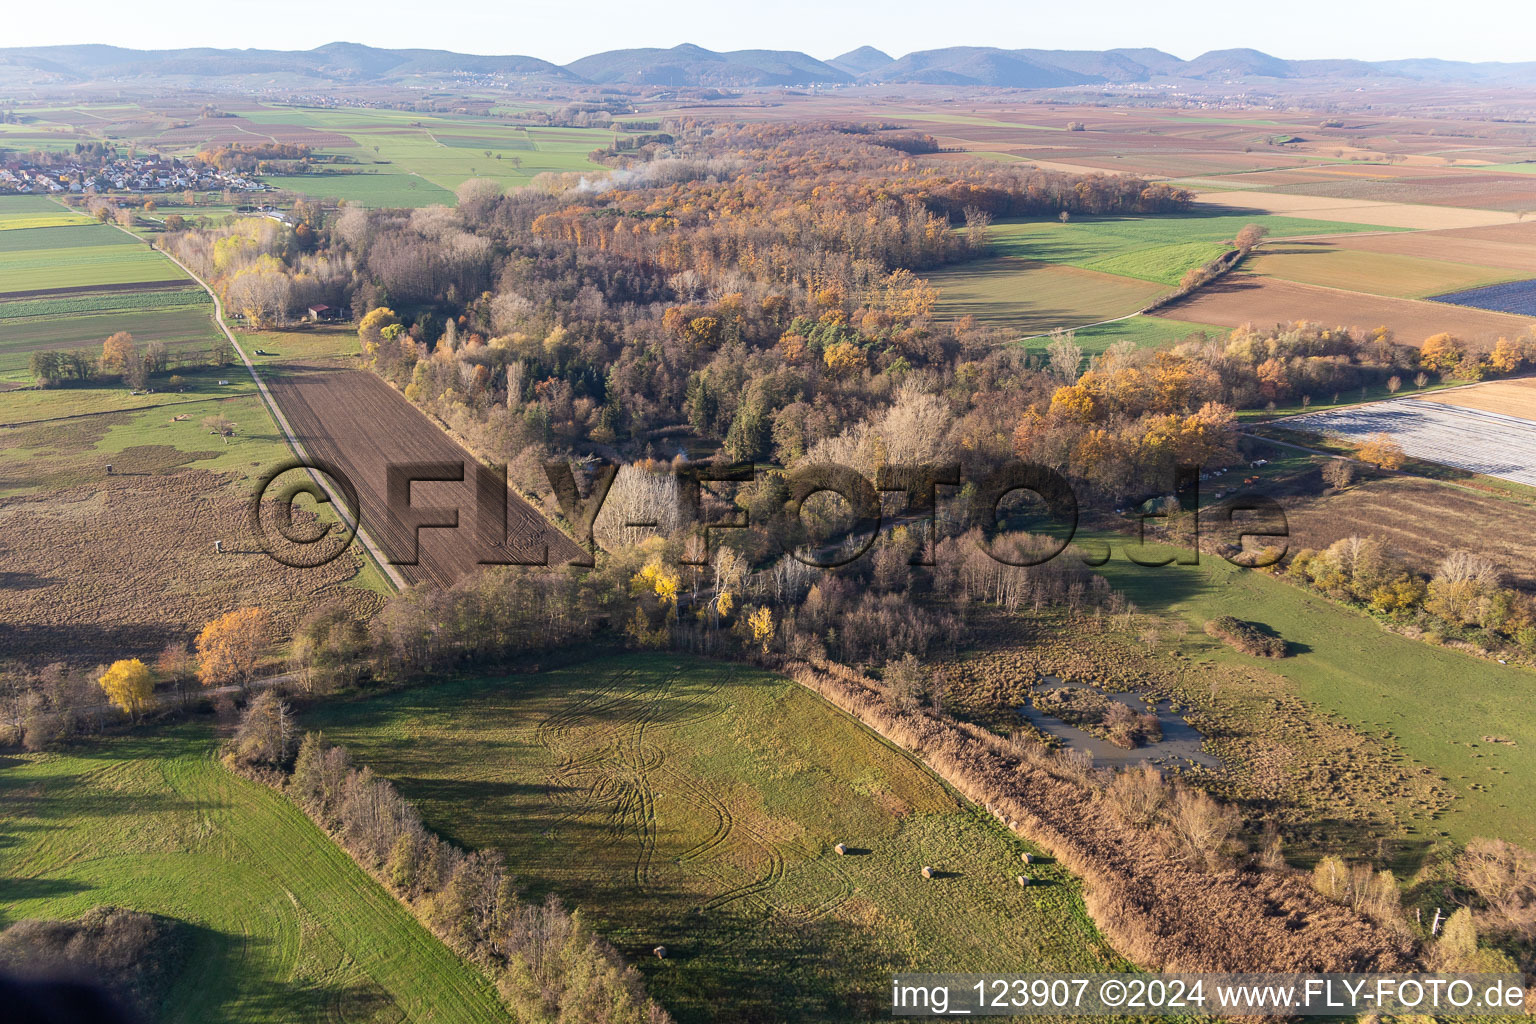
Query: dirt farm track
x,y
358,423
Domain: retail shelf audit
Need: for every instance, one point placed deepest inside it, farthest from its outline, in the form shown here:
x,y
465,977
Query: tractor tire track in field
x,y
601,748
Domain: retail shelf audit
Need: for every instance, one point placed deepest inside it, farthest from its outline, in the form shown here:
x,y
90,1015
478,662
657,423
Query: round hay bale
x,y
840,849
1026,858
927,871
661,952
1024,880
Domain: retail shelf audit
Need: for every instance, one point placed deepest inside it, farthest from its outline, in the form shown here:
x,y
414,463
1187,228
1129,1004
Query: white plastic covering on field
x,y
1480,442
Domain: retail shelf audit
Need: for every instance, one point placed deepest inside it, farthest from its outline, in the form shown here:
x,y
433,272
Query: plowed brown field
x,y
1243,298
355,421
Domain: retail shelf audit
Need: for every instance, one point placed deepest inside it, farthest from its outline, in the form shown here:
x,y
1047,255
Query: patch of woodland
x,y
133,955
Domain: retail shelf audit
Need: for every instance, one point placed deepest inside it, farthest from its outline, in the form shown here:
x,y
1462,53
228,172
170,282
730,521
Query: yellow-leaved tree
x,y
761,624
128,684
229,647
1381,450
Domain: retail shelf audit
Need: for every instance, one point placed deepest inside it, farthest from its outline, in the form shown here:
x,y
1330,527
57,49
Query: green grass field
x,y
1437,704
179,328
1157,249
44,267
1032,297
1141,331
20,213
85,303
695,805
317,341
380,188
1043,275
68,236
418,159
284,926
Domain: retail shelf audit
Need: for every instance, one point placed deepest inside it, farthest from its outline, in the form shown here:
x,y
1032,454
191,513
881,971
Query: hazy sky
x,y
561,32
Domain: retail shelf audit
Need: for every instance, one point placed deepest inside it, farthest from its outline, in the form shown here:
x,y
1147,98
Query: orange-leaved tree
x,y
229,646
118,351
128,685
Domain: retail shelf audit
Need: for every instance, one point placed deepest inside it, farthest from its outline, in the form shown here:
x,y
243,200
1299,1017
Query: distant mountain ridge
x,y
689,65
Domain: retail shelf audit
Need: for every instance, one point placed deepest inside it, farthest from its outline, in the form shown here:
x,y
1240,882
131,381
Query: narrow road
x,y
390,572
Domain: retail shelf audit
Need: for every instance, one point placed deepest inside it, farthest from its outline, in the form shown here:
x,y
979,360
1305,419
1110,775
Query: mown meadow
x,y
696,805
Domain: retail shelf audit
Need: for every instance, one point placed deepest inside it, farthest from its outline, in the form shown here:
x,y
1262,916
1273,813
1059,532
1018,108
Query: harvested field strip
x,y
1245,297
66,291
354,420
1509,246
285,927
1376,273
1351,211
1477,191
695,805
1516,398
1423,520
1464,438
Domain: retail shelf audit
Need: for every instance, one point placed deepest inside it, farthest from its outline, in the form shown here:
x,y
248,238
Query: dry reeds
x,y
1163,914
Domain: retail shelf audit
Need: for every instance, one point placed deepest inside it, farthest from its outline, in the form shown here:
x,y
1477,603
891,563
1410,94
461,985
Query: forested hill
x,y
340,64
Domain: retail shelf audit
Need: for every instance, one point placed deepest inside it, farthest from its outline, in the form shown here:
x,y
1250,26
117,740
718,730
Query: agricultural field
x,y
354,420
1479,191
77,256
380,188
1330,265
1423,520
386,157
283,925
1508,246
1033,297
1355,211
1157,249
695,805
103,566
1464,438
183,327
1244,297
1044,275
413,159
1518,297
1515,398
23,213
